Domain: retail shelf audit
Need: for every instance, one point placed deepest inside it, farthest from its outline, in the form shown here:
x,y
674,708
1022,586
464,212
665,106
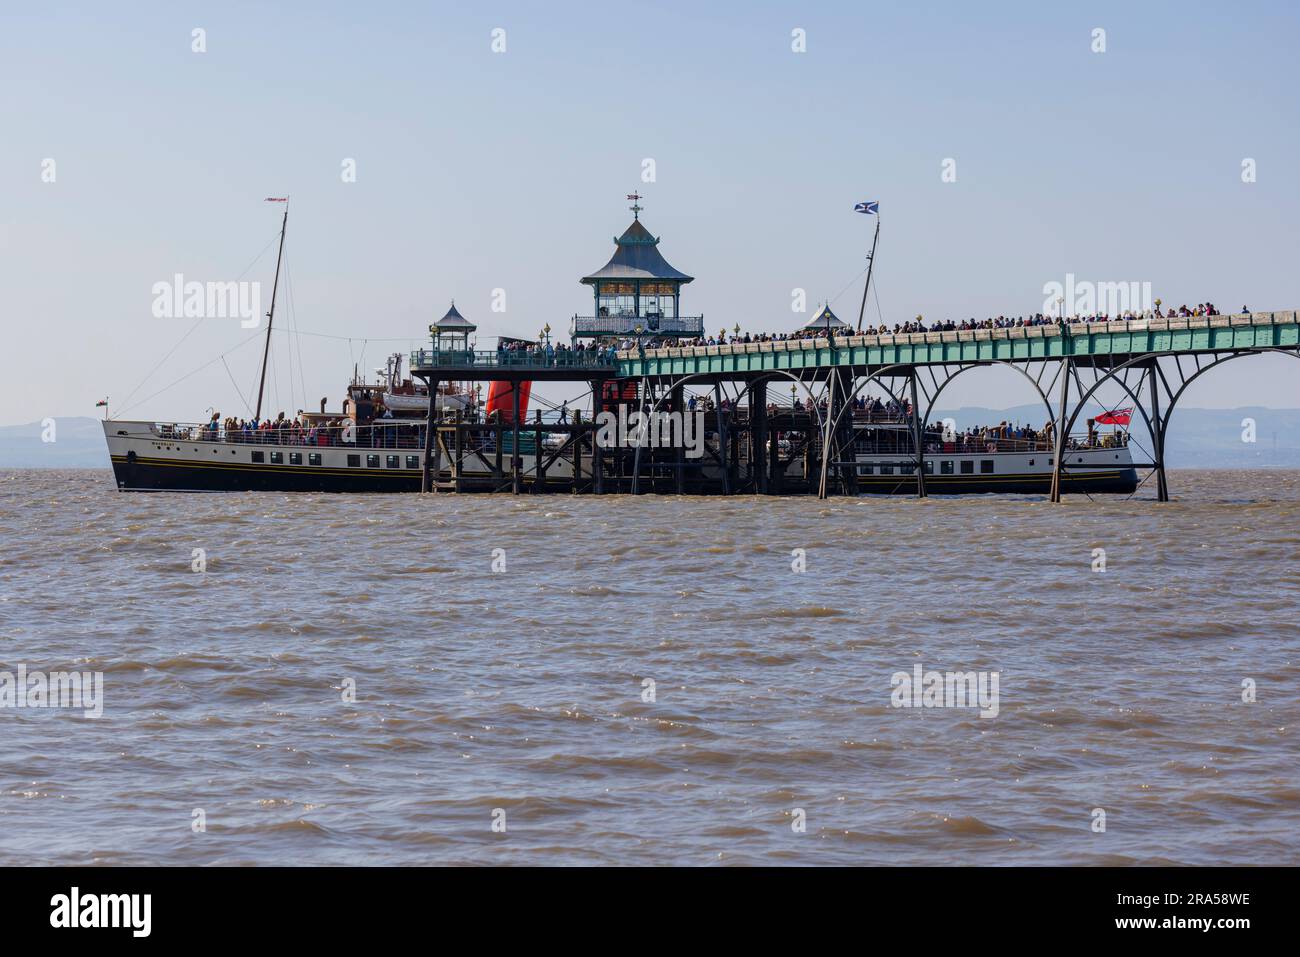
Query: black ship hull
x,y
136,474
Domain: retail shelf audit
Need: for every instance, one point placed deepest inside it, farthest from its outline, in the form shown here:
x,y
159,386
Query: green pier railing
x,y
1260,330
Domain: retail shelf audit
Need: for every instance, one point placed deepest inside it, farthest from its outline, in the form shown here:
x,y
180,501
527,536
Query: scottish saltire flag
x,y
867,208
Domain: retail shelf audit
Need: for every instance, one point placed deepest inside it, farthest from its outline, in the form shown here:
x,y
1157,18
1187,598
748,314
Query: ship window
x,y
354,461
1031,461
945,467
295,458
394,461
372,461
908,469
412,461
259,456
313,458
967,467
929,467
277,458
986,466
886,470
866,469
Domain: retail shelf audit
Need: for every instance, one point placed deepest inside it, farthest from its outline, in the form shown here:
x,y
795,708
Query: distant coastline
x,y
1198,438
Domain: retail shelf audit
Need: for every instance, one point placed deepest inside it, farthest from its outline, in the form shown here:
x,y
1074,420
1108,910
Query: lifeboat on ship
x,y
419,402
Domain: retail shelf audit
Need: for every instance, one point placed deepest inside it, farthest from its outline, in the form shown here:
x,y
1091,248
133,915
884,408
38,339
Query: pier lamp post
x,y
640,348
736,331
1060,308
1157,307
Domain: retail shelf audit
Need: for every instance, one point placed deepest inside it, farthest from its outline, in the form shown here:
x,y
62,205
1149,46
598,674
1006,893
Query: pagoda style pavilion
x,y
827,321
451,332
637,292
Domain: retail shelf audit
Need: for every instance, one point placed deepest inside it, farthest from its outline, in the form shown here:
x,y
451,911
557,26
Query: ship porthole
x,y
130,457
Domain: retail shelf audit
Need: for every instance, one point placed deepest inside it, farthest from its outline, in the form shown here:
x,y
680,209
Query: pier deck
x,y
1080,342
1150,361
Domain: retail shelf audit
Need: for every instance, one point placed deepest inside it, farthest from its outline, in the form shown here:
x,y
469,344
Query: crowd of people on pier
x,y
578,354
944,325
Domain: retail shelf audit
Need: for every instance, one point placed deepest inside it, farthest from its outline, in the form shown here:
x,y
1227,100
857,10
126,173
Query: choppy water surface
x,y
522,690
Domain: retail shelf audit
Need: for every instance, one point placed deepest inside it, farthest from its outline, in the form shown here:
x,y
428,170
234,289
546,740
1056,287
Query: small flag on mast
x,y
277,199
1116,417
870,208
103,402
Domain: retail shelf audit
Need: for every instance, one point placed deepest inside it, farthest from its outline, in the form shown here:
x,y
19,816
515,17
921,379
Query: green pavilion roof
x,y
637,257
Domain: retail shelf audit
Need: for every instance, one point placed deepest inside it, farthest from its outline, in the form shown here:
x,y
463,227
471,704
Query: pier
x,y
822,410
1151,361
755,445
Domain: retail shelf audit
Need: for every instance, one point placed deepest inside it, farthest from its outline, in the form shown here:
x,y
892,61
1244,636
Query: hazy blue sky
x,y
478,170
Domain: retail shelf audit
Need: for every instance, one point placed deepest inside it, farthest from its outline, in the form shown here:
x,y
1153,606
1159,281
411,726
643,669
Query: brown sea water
x,y
522,690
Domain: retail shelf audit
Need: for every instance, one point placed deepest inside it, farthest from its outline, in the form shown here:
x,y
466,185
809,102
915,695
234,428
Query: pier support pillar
x,y
843,448
516,460
827,435
597,459
576,438
1058,457
458,453
723,445
642,401
918,435
733,430
679,450
758,436
773,468
426,474
1158,432
499,437
539,481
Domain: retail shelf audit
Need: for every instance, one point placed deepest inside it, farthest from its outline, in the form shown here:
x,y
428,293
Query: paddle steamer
x,y
379,440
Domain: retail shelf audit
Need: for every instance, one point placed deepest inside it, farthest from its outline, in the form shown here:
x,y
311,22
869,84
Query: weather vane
x,y
636,206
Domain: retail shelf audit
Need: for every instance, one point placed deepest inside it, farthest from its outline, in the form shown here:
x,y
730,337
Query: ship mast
x,y
270,316
871,263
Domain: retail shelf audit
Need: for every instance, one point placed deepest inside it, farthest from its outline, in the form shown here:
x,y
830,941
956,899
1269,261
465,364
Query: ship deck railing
x,y
386,434
522,359
1045,331
408,435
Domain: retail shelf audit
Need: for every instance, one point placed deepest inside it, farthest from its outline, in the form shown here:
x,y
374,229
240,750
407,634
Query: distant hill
x,y
78,444
1198,438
